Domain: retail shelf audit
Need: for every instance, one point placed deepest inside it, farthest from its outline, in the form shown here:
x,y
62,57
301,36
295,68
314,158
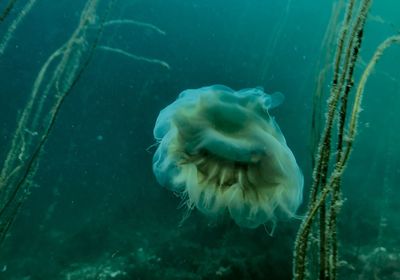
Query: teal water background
x,y
96,204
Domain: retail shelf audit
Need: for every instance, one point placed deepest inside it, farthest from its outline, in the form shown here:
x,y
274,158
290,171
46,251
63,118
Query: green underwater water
x,y
95,210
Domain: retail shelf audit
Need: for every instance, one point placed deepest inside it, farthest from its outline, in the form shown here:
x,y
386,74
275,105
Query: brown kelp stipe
x,y
7,9
15,23
325,65
325,198
54,82
52,85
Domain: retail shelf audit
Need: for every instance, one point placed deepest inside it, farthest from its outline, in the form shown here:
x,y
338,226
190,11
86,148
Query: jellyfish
x,y
222,152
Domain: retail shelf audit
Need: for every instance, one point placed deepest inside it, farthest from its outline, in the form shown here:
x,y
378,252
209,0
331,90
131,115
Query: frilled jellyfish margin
x,y
325,197
222,152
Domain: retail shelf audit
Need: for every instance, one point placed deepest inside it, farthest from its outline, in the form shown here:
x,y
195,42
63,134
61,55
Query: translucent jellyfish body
x,y
222,152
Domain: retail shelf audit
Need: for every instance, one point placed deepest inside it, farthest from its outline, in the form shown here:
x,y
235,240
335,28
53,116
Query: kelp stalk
x,y
37,120
16,22
346,55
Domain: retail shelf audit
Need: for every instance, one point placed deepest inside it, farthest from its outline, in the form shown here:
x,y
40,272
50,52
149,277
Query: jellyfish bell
x,y
222,152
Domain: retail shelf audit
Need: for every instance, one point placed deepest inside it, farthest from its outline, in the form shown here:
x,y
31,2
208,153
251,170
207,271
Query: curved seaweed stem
x,y
347,53
135,57
54,83
23,157
7,10
135,23
11,29
331,188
